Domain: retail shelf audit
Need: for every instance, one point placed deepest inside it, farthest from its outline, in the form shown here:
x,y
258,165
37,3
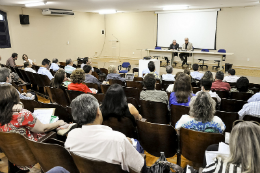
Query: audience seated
x,y
59,79
26,59
170,87
54,64
112,74
6,78
151,67
169,76
28,67
86,61
206,86
77,77
196,75
98,142
208,76
231,78
182,91
69,66
252,108
218,85
151,94
11,61
44,69
115,105
89,78
201,118
254,98
242,85
244,148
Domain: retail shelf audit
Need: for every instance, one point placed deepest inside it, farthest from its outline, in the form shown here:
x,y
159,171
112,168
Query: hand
x,y
63,127
94,92
29,95
60,123
17,108
129,139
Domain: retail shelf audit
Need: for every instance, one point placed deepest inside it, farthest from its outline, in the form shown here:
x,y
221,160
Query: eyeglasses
x,y
239,121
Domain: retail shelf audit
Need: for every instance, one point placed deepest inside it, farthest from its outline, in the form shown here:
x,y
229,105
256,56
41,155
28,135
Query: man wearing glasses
x,y
187,46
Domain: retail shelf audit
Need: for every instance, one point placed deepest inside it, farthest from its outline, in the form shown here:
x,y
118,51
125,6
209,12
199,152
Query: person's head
x,y
195,67
85,110
27,64
69,62
14,56
149,82
169,69
202,107
208,76
219,75
244,146
182,88
151,66
115,102
177,75
174,42
77,76
186,71
186,40
46,63
5,75
231,72
25,57
85,60
55,60
242,84
112,69
87,69
59,78
206,84
9,97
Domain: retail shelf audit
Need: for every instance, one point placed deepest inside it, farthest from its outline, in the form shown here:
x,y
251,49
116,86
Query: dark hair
x,y
177,75
114,103
78,76
9,97
45,61
206,84
85,60
208,75
58,78
220,75
242,84
186,71
24,57
4,73
182,88
232,71
26,64
151,66
55,60
195,67
14,55
87,68
149,81
68,61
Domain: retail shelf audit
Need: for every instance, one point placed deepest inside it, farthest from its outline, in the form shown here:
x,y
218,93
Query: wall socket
x,y
248,59
133,53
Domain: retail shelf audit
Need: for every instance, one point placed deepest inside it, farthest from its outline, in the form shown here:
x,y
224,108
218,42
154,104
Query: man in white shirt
x,y
231,78
28,67
206,86
95,141
69,66
44,69
252,108
254,98
195,74
54,65
169,76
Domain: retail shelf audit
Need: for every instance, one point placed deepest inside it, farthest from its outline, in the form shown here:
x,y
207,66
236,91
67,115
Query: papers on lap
x,y
45,115
223,151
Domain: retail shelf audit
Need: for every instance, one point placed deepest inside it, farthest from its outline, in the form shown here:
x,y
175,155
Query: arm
x,y
134,112
42,128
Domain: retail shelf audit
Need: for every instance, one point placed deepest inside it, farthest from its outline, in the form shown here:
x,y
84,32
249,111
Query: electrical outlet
x,y
133,53
248,59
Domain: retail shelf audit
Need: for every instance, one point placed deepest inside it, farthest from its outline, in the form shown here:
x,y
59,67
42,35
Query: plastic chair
x,y
203,60
125,65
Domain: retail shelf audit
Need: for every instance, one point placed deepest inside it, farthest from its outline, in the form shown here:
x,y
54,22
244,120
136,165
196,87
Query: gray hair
x,y
4,73
202,107
111,69
68,61
84,109
169,69
173,40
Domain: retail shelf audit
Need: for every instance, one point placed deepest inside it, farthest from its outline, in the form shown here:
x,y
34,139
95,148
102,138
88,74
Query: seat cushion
x,y
123,71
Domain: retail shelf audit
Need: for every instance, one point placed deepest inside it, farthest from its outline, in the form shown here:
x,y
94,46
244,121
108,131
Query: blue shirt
x,y
168,77
254,98
196,75
91,79
44,71
69,69
145,71
173,100
54,67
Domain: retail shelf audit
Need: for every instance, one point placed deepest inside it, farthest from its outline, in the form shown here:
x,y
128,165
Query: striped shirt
x,y
252,108
220,166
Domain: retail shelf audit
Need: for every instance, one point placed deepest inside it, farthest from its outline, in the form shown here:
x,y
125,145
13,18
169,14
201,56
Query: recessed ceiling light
x,y
35,4
107,11
176,7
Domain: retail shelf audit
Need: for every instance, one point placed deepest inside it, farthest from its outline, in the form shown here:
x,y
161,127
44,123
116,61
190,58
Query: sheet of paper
x,y
223,148
44,114
227,135
211,155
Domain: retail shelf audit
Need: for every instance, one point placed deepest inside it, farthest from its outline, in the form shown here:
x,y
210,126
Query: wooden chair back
x,y
231,105
38,79
228,118
138,85
16,149
132,92
177,112
165,84
115,81
19,73
104,88
30,77
156,138
196,89
58,95
46,81
95,74
92,85
73,94
91,166
63,63
100,97
25,77
125,126
251,118
103,70
138,79
223,94
240,96
193,143
52,72
155,112
30,104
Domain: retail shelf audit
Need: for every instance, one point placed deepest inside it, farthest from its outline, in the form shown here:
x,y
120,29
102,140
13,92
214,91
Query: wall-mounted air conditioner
x,y
53,11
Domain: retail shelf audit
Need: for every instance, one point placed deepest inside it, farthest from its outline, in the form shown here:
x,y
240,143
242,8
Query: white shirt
x,y
29,69
69,69
196,75
99,142
212,94
44,71
231,78
254,98
252,108
168,77
54,67
30,61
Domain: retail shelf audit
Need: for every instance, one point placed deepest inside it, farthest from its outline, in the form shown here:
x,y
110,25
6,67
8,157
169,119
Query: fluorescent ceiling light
x,y
107,11
35,4
176,7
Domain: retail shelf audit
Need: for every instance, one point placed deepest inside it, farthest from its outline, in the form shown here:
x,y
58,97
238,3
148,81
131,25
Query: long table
x,y
195,54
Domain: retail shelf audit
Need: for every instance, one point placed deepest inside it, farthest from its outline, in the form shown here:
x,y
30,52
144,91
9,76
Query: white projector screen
x,y
199,26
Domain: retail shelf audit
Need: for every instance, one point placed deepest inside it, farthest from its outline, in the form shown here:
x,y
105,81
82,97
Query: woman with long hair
x,y
208,76
59,78
115,105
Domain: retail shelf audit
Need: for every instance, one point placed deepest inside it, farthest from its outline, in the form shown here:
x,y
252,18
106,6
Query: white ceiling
x,y
130,5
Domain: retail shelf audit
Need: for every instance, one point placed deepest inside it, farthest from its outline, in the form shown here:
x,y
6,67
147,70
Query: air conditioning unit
x,y
53,11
